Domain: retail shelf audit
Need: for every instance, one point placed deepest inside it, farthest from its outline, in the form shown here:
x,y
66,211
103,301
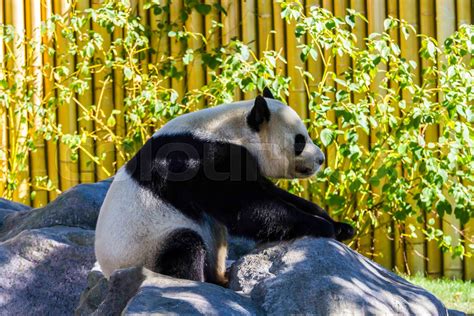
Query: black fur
x,y
223,180
267,93
183,256
300,143
259,114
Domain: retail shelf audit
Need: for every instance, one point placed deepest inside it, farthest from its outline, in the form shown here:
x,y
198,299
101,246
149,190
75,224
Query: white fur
x,y
133,223
273,145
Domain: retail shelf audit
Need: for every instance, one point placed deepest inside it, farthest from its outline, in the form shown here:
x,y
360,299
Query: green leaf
x,y
327,136
443,207
203,9
111,121
128,73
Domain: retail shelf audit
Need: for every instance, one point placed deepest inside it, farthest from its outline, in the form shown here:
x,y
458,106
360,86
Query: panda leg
x,y
343,231
182,256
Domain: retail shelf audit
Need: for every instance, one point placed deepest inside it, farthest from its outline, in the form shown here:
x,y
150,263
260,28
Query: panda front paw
x,y
343,231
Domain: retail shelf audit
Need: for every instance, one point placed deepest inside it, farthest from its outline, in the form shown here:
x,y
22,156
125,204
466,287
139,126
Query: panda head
x,y
279,140
270,130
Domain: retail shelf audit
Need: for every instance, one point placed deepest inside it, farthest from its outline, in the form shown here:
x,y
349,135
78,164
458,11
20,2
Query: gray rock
x,y
95,292
42,271
8,208
77,207
123,285
238,247
325,277
4,213
138,291
13,206
163,295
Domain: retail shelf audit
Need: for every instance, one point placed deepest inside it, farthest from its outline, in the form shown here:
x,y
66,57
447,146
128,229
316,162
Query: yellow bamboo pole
x,y
119,92
3,118
103,99
155,38
342,62
249,32
463,12
231,24
143,14
51,146
297,91
213,34
297,97
18,130
375,13
360,31
265,40
38,157
67,113
279,27
445,26
428,27
382,245
249,24
279,46
230,20
160,41
409,50
86,165
464,17
195,70
176,48
469,239
315,67
398,242
331,149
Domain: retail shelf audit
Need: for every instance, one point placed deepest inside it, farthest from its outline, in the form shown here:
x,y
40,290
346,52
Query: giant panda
x,y
206,174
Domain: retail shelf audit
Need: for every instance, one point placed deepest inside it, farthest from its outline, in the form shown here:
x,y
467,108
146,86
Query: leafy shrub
x,y
396,175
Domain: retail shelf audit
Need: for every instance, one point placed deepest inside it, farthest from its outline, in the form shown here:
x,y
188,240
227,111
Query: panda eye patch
x,y
300,142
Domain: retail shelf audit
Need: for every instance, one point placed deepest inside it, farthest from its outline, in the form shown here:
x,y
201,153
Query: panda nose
x,y
321,160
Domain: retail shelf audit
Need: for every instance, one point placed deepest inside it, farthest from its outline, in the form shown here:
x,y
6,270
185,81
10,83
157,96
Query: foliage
x,y
397,175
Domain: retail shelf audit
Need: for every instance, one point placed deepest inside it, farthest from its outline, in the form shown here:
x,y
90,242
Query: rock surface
x,y
325,277
46,253
8,208
138,291
77,207
95,292
13,206
43,271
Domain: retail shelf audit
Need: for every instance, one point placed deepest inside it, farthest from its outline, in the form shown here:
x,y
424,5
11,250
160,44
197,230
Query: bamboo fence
x,y
257,23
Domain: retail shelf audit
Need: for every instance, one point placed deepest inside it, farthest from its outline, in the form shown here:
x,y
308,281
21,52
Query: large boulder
x,y
312,276
13,206
46,253
43,271
77,207
8,208
138,291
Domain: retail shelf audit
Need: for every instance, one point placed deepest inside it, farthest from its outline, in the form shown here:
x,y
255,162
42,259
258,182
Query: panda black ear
x,y
267,93
259,114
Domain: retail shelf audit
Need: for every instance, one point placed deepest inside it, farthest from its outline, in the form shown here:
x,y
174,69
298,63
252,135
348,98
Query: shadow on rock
x,y
325,277
138,291
44,270
77,207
